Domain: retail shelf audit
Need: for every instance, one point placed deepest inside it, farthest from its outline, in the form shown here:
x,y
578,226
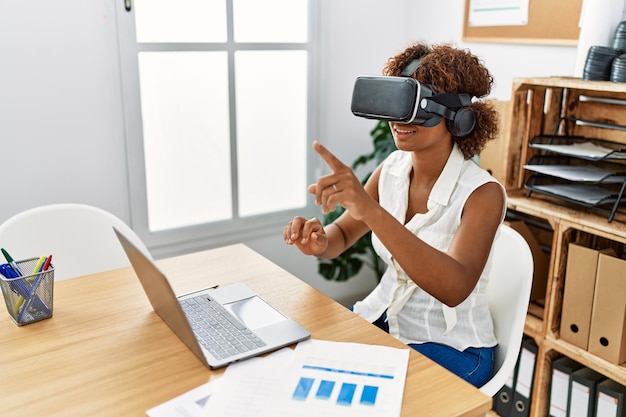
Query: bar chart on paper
x,y
363,389
358,384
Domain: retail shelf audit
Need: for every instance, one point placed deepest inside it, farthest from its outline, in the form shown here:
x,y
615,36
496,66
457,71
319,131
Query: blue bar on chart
x,y
325,390
302,389
346,394
368,396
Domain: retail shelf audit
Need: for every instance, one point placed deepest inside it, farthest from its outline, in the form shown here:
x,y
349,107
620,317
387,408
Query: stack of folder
x,y
578,391
513,399
562,370
593,315
575,390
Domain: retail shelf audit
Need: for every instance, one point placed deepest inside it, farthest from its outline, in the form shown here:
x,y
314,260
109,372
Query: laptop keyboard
x,y
216,329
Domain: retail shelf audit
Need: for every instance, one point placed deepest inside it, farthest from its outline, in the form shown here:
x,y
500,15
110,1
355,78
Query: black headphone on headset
x,y
460,122
463,123
404,99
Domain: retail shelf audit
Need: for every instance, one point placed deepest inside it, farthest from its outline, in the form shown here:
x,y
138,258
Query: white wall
x,y
61,126
505,61
61,129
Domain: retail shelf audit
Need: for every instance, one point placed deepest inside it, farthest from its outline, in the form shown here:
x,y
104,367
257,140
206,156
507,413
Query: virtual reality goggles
x,y
406,100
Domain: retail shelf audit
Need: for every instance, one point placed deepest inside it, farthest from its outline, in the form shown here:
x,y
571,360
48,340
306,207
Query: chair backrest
x,y
79,237
508,293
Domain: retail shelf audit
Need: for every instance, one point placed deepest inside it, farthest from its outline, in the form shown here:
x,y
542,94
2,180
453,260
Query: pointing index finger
x,y
331,160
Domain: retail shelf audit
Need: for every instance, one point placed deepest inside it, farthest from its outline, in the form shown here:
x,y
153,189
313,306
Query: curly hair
x,y
450,70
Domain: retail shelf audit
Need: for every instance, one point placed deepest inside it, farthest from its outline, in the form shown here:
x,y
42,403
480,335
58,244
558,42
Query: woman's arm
x,y
448,276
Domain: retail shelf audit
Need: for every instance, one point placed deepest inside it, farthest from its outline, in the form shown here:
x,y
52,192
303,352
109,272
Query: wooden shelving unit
x,y
537,104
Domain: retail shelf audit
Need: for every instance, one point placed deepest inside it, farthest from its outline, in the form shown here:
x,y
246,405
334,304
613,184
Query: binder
x,y
610,399
525,377
503,400
582,392
562,369
580,283
607,334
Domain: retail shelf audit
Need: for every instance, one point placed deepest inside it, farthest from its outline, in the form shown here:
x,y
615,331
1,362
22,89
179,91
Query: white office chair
x,y
79,237
508,294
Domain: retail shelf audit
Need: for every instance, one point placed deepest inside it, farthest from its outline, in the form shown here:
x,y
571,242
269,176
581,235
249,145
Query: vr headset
x,y
406,100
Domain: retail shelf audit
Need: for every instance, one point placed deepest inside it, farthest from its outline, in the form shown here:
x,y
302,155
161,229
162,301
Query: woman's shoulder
x,y
475,173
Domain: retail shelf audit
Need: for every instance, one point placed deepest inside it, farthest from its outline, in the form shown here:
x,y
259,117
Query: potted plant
x,y
350,262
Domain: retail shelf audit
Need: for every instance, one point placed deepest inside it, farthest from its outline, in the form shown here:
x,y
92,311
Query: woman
x,y
434,215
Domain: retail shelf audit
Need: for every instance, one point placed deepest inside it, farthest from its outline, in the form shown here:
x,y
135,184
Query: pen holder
x,y
29,298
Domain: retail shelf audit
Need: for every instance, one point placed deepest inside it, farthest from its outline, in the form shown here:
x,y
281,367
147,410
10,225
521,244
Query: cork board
x,y
550,22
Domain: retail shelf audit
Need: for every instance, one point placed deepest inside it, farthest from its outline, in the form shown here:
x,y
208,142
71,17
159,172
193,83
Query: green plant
x,y
350,262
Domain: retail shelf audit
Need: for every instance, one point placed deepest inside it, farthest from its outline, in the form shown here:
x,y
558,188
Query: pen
x,y
17,285
44,263
20,299
12,262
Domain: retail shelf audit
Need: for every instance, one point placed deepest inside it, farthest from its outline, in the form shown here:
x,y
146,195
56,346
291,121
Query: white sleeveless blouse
x,y
413,315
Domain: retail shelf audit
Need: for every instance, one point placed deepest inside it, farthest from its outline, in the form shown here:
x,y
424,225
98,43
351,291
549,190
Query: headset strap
x,y
442,104
447,99
453,100
410,68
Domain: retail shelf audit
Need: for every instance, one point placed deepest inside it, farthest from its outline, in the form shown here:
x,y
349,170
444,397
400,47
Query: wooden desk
x,y
106,353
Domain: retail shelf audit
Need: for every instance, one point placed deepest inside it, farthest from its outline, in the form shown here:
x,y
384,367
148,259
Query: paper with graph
x,y
346,379
318,378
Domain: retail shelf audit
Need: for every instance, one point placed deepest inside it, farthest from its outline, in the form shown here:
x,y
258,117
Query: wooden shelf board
x,y
610,370
536,310
533,326
553,211
573,82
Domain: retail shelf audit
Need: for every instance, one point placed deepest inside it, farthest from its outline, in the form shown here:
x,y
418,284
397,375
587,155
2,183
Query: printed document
x,y
318,378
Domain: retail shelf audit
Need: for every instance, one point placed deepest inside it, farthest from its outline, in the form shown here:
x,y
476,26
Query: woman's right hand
x,y
308,235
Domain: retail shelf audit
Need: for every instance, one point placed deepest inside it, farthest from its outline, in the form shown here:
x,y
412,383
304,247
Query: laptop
x,y
220,325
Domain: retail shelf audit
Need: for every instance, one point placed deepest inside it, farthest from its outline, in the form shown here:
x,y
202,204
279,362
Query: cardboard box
x,y
541,261
607,338
580,283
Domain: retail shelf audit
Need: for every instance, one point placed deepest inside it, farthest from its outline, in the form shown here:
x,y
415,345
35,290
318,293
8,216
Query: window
x,y
218,115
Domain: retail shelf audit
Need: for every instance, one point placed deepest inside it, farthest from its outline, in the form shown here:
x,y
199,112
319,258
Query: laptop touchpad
x,y
255,313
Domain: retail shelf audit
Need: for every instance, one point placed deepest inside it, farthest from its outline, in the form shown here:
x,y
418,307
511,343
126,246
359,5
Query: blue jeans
x,y
474,365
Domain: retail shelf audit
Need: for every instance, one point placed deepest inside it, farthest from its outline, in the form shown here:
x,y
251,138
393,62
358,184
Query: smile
x,y
402,131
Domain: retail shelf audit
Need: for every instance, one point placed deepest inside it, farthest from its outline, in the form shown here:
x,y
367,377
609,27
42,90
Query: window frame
x,y
197,237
